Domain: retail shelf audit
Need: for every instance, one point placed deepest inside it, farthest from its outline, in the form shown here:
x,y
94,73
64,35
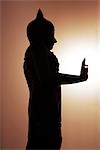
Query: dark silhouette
x,y
41,69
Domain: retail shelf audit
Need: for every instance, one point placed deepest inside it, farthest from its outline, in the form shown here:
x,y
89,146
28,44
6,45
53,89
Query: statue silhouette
x,y
41,69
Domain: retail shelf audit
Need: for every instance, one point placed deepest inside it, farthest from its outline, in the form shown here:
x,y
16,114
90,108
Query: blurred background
x,y
77,30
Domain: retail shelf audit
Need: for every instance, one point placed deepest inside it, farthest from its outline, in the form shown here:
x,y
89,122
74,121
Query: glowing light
x,y
74,51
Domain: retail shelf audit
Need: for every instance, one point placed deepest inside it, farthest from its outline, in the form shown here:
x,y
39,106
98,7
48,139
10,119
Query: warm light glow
x,y
74,51
77,30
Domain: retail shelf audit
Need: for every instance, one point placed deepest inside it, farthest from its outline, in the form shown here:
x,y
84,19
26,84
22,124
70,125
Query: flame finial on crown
x,y
39,14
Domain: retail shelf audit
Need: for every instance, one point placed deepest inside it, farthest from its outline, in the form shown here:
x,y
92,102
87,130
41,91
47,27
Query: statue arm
x,y
70,79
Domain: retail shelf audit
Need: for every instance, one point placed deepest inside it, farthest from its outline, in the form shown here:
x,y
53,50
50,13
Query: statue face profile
x,y
41,30
49,41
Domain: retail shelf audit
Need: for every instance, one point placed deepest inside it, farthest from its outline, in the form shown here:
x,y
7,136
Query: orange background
x,y
74,21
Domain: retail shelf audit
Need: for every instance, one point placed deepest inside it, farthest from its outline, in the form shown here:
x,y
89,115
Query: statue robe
x,y
41,71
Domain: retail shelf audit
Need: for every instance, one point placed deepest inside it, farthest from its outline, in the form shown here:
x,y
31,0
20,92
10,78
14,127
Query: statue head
x,y
41,30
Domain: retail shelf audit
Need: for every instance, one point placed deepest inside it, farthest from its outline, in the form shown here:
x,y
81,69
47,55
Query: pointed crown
x,y
39,15
39,28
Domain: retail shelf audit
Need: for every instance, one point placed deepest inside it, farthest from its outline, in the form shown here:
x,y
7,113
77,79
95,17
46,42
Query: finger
x,y
83,62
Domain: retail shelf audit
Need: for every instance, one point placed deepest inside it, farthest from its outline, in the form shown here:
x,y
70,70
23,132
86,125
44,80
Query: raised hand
x,y
84,71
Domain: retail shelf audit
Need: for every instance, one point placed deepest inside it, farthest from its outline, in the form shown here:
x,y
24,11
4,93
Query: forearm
x,y
69,79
